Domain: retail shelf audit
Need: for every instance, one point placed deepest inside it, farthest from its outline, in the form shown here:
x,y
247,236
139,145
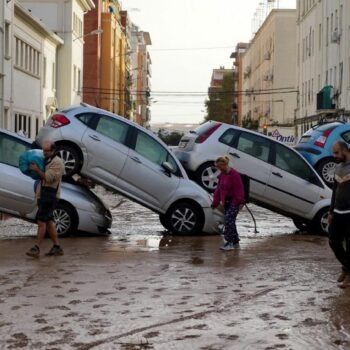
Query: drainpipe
x,y
2,33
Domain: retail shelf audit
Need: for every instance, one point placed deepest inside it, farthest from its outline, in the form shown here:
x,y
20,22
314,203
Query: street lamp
x,y
93,32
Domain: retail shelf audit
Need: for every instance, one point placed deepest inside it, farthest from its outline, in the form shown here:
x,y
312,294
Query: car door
x,y
293,185
143,176
16,189
250,154
105,143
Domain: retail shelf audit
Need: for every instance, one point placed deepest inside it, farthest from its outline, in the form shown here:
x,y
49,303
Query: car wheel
x,y
301,225
70,158
162,219
184,218
65,220
320,222
326,171
207,176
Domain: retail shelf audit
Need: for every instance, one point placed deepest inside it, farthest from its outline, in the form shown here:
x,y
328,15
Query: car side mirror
x,y
168,168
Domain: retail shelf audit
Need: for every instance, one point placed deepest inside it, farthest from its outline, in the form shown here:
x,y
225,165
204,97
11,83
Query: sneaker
x,y
342,276
55,251
228,246
34,252
236,246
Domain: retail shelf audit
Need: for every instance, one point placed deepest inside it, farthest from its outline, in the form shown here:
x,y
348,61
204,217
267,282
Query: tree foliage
x,y
170,138
219,104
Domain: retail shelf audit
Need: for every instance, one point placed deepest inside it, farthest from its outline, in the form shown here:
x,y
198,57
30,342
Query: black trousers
x,y
339,236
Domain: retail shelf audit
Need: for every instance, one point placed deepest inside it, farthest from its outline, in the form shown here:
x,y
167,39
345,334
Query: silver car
x,y
78,208
280,178
123,156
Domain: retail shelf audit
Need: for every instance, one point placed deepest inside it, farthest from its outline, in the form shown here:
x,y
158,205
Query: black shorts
x,y
46,205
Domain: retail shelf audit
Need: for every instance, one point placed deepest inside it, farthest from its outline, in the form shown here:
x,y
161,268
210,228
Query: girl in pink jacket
x,y
230,194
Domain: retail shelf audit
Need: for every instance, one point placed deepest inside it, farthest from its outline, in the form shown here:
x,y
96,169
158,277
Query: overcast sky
x,y
177,28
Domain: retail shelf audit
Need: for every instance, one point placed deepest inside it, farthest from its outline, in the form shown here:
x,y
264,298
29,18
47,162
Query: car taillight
x,y
321,141
203,137
59,120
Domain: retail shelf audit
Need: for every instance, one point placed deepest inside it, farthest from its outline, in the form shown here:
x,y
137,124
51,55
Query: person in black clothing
x,y
339,212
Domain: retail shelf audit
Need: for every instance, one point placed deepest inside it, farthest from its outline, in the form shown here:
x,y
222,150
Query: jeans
x,y
230,233
339,235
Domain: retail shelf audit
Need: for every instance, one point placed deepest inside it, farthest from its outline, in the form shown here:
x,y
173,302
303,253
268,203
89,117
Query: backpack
x,y
246,185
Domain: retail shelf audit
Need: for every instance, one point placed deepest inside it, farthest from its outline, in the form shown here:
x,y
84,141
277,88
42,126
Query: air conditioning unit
x,y
335,36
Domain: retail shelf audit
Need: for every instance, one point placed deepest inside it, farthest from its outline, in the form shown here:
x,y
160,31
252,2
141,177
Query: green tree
x,y
171,139
219,104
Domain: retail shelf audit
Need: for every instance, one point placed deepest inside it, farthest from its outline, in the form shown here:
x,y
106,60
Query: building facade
x,y
66,19
269,73
323,61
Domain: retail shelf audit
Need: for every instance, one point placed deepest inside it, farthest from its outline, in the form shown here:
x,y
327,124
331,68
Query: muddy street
x,y
141,289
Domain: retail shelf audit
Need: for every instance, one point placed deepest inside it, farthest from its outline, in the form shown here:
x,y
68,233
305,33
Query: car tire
x,y
301,225
66,219
326,170
162,219
71,159
320,222
184,218
207,176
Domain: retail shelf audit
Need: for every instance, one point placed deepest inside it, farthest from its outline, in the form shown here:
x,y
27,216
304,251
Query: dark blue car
x,y
316,146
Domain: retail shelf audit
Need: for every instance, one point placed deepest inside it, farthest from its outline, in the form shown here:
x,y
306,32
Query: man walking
x,y
339,212
47,194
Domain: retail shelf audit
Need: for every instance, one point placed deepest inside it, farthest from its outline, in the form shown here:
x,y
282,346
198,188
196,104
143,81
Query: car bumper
x,y
94,222
213,219
189,160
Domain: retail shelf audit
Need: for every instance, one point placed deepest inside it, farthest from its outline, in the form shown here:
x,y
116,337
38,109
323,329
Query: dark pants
x,y
46,204
231,234
339,235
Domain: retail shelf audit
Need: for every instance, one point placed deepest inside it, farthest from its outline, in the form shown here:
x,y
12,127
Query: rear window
x,y
204,128
328,126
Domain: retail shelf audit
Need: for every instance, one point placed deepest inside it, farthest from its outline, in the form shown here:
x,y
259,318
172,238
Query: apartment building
x,y
269,72
323,61
66,19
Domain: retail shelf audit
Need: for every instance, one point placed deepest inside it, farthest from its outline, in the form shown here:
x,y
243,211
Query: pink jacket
x,y
230,185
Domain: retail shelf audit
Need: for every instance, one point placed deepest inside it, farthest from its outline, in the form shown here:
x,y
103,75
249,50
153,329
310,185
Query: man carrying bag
x,y
47,194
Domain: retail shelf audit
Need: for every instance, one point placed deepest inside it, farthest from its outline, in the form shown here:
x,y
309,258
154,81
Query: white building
x,y
269,69
28,90
323,58
66,19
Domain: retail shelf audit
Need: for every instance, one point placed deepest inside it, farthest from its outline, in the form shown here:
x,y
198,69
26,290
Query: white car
x,y
78,209
280,178
123,156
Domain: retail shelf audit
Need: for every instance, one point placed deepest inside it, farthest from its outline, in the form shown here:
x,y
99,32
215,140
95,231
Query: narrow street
x,y
140,289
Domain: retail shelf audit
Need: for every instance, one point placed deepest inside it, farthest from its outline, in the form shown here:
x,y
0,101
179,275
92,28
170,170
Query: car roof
x,y
85,107
253,132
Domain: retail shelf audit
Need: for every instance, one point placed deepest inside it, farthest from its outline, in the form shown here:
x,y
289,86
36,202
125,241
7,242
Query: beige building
x,y
269,72
323,62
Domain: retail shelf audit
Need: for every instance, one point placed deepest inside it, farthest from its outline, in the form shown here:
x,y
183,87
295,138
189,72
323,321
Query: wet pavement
x,y
141,289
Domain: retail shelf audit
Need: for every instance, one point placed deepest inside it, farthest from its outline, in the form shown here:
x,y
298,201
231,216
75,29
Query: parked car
x,y
280,178
316,147
123,156
78,208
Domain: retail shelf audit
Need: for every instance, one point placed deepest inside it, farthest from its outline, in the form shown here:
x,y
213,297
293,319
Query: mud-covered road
x,y
139,289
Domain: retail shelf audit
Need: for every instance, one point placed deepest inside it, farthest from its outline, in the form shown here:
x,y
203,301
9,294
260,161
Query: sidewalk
x,y
102,294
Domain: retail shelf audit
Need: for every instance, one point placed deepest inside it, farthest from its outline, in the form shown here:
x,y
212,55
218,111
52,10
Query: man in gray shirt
x,y
339,212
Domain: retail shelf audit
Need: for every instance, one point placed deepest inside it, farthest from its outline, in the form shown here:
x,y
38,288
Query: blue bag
x,y
35,156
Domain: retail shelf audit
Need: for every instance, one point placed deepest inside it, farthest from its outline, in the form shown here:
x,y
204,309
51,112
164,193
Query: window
x,y
346,136
87,118
7,40
255,146
291,162
11,149
53,76
112,128
44,71
340,76
27,58
319,36
77,25
23,123
149,148
228,137
327,32
74,77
